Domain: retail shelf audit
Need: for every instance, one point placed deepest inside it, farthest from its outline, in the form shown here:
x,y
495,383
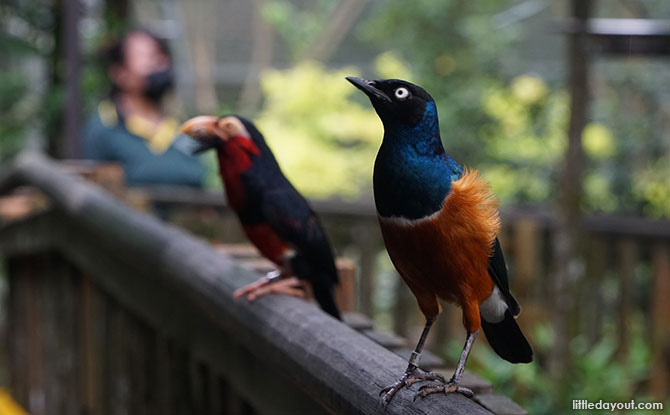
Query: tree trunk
x,y
72,56
568,263
261,58
339,25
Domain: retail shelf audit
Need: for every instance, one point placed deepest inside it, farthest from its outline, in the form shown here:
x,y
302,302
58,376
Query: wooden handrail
x,y
183,288
629,225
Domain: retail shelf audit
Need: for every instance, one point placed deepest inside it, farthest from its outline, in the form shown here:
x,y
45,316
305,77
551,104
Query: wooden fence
x,y
113,312
626,270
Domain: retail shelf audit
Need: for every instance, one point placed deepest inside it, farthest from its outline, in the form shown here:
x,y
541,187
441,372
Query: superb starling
x,y
274,215
440,224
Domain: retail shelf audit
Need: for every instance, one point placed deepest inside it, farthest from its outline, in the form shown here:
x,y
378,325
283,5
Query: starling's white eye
x,y
401,93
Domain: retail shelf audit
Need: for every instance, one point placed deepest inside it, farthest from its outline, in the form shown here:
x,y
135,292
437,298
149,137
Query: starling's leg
x,y
272,282
452,385
411,374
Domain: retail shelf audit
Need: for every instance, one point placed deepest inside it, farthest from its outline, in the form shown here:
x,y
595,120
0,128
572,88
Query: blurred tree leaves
x,y
468,63
525,138
509,126
324,140
298,26
23,33
652,185
455,54
597,373
32,90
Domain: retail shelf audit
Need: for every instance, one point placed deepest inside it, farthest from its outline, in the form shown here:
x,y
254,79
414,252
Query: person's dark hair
x,y
115,52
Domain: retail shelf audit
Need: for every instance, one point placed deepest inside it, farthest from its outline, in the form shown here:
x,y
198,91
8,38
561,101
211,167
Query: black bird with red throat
x,y
274,215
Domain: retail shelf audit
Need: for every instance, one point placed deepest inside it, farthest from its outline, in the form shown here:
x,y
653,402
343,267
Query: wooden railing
x,y
112,311
626,270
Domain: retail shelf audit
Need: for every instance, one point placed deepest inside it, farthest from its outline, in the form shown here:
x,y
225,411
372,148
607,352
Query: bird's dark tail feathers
x,y
325,296
507,340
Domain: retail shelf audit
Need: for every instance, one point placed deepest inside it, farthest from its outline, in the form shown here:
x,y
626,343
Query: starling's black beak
x,y
369,88
205,131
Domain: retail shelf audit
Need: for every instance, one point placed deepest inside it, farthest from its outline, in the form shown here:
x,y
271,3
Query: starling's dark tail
x,y
325,296
507,340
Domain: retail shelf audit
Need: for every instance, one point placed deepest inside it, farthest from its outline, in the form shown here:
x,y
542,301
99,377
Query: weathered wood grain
x,y
500,405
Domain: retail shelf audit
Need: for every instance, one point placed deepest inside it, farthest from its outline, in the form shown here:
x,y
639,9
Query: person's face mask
x,y
158,83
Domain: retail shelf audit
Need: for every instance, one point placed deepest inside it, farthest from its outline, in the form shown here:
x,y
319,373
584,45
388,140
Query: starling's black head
x,y
395,99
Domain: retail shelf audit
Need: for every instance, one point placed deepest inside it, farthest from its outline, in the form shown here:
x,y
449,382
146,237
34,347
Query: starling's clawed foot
x,y
389,392
427,376
288,286
407,380
446,388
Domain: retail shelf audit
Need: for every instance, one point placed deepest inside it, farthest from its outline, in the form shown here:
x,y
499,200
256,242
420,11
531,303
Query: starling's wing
x,y
505,336
498,273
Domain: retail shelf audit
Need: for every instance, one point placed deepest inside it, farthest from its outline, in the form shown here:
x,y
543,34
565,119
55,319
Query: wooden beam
x,y
622,36
611,224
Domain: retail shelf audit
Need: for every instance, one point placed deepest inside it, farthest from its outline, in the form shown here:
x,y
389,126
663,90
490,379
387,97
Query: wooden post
x,y
261,51
345,291
593,302
568,264
368,259
627,259
72,116
660,376
89,375
36,393
404,308
18,340
527,251
162,372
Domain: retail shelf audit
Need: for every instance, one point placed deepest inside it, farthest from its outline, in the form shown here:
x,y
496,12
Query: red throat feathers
x,y
233,161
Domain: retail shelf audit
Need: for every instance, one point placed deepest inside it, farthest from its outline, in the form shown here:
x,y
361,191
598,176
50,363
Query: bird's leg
x,y
412,373
452,385
273,275
273,282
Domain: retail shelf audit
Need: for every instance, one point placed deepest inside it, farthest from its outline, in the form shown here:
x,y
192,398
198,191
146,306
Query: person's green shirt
x,y
150,156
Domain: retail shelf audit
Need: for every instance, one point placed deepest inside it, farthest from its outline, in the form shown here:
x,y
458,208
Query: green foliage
x,y
525,139
651,184
598,141
389,65
464,60
525,143
325,141
21,36
598,374
32,71
327,146
633,104
15,113
455,53
297,26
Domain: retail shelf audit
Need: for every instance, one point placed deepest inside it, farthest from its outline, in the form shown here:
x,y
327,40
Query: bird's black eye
x,y
401,93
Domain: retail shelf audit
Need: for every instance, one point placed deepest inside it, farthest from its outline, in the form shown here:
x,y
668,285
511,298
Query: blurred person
x,y
130,126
